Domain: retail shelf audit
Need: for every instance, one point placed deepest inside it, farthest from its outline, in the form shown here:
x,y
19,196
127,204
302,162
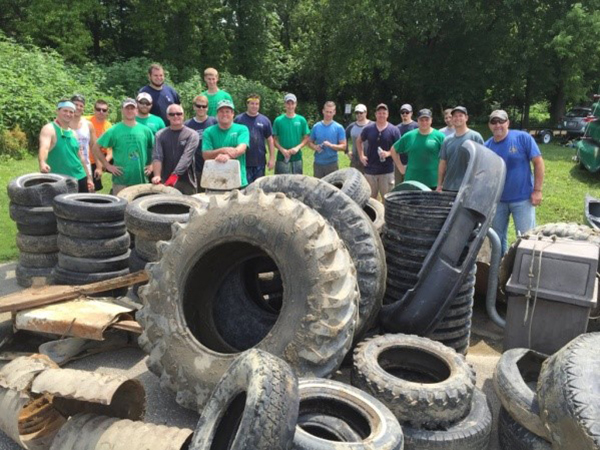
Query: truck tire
x,y
354,228
93,248
38,260
91,230
352,183
376,212
569,394
39,189
93,265
37,244
365,415
514,436
315,326
515,381
423,382
132,193
90,207
253,407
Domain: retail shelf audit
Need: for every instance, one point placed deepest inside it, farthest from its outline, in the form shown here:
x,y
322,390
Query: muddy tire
x,y
146,249
90,207
93,265
39,189
91,230
514,436
33,220
376,212
354,228
515,381
254,406
38,260
352,183
62,276
366,416
314,328
423,382
37,244
569,394
93,248
132,193
328,427
28,276
136,262
471,433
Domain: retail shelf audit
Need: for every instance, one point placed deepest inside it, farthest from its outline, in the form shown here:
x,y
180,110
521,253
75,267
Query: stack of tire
x,y
31,197
92,240
413,221
550,402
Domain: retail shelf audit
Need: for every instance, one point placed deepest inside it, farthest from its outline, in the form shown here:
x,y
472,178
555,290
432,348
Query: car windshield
x,y
578,112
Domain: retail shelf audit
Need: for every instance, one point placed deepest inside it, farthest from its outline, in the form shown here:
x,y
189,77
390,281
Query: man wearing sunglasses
x,y
407,124
522,190
145,117
100,122
200,122
173,154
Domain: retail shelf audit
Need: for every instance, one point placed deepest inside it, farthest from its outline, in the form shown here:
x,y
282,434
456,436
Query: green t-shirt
x,y
215,137
290,132
423,155
215,98
132,151
153,122
63,158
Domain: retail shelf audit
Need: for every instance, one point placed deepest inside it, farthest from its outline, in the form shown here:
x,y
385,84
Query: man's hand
x,y
98,172
90,184
172,180
438,189
114,170
364,160
294,150
271,163
44,168
148,170
536,198
155,179
222,158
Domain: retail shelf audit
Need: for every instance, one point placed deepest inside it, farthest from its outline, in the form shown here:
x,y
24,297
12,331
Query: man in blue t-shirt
x,y
327,138
261,133
522,191
200,122
162,94
379,166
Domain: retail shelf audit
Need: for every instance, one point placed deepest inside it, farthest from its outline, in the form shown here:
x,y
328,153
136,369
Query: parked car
x,y
575,121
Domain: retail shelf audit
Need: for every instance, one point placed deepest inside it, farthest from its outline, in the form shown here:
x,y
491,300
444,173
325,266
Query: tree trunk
x,y
527,103
557,104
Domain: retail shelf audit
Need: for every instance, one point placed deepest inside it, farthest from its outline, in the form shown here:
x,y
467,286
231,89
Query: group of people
x,y
154,143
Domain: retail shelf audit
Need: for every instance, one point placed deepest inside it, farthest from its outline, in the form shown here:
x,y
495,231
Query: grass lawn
x,y
565,187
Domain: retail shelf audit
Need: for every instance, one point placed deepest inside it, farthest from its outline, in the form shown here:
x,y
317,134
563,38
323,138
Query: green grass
x,y
565,187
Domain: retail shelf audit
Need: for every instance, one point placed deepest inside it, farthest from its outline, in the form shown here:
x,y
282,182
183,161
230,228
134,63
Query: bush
x,y
13,143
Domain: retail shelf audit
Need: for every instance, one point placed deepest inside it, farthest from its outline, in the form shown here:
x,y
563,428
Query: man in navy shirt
x,y
162,94
261,133
200,122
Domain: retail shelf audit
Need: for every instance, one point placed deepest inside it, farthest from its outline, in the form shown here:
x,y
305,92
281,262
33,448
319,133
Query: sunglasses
x,y
144,102
404,112
101,109
497,121
199,106
175,114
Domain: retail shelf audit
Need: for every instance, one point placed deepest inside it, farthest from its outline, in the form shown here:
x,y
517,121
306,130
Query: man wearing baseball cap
x,y
290,132
144,105
522,189
407,124
353,132
422,147
226,140
59,149
132,145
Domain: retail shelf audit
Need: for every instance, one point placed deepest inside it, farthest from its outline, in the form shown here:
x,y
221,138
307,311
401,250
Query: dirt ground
x,y
485,350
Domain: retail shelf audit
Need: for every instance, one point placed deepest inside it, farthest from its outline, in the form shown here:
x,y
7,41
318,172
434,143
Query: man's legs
x,y
82,185
386,183
297,167
500,224
322,170
373,183
523,215
254,172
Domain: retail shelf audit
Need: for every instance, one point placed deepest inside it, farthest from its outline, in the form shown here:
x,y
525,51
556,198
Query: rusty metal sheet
x,y
20,372
77,391
92,432
87,318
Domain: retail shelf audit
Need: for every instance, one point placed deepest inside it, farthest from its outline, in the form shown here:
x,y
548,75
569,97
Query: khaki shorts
x,y
380,184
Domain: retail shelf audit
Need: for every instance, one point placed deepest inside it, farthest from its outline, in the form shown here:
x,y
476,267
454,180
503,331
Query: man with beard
x,y
162,94
145,117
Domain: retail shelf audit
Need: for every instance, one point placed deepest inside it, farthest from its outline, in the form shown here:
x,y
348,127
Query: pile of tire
x,y
550,402
92,239
413,221
31,197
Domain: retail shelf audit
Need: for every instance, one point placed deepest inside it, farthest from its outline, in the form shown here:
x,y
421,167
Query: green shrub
x,y
13,143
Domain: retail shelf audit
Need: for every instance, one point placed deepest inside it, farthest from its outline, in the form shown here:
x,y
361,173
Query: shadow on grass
x,y
584,176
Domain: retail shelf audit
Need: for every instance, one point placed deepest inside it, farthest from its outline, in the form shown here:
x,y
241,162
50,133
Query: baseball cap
x,y
65,104
499,114
425,113
144,96
382,106
128,102
360,108
225,104
406,107
290,98
462,109
78,98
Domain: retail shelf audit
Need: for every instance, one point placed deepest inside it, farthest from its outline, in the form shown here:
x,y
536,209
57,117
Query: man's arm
x,y
187,157
157,158
100,157
340,147
284,151
302,143
442,166
47,135
538,180
156,169
271,162
88,176
361,153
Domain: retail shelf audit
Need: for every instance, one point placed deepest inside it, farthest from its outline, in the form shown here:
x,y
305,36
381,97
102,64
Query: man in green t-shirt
x,y
132,149
423,149
291,133
144,104
226,140
213,93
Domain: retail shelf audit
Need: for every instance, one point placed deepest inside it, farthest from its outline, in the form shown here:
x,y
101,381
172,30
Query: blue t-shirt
x,y
517,150
161,100
260,130
384,139
334,133
199,127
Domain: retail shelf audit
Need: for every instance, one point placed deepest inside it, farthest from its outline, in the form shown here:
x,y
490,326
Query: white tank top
x,y
83,137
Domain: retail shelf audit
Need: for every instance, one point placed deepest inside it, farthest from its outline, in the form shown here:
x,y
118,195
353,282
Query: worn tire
x,y
354,228
352,183
38,260
37,244
423,382
33,220
569,394
62,276
91,230
514,436
329,428
27,275
151,217
39,189
93,265
93,248
132,193
376,212
516,373
315,327
136,262
146,249
365,415
90,207
253,407
471,433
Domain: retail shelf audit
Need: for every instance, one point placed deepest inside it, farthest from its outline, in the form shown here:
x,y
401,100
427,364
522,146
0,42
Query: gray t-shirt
x,y
175,149
353,132
457,161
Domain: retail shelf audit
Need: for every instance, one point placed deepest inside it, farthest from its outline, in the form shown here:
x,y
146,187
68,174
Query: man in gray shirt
x,y
173,154
353,133
453,164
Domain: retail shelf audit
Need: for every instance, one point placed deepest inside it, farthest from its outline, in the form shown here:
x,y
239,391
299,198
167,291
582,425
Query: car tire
x,y
352,183
38,260
28,276
91,230
37,244
93,248
93,265
376,212
132,193
69,277
90,207
33,220
146,249
514,436
39,189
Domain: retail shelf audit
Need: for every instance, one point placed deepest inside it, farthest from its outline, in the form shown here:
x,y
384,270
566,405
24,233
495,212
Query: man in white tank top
x,y
84,130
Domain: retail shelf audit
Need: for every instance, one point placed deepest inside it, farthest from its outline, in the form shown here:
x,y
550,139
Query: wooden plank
x,y
128,325
30,298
